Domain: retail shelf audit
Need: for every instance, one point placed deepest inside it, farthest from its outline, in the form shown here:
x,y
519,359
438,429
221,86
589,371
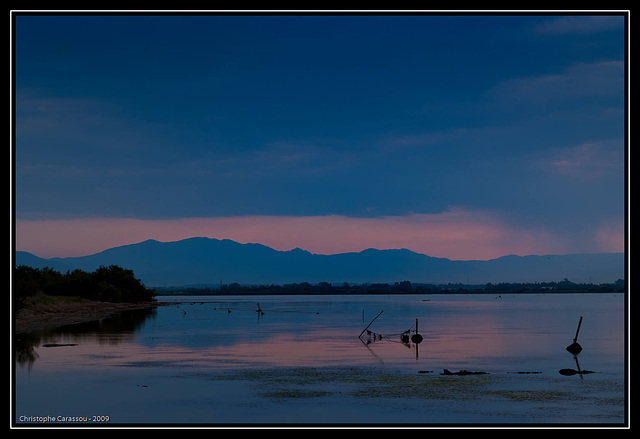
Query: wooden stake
x,y
578,330
416,338
575,347
370,323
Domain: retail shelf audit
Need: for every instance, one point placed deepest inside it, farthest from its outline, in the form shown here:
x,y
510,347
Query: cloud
x,y
610,236
579,24
309,157
67,117
597,79
588,160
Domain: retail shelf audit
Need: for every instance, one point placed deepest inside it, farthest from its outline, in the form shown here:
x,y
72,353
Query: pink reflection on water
x,y
455,334
316,348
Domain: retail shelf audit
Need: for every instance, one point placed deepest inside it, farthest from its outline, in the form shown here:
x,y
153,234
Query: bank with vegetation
x,y
45,298
404,287
111,284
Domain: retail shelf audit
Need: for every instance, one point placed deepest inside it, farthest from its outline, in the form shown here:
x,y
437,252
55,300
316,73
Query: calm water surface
x,y
217,360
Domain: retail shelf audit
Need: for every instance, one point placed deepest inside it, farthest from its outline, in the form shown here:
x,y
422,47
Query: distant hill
x,y
212,261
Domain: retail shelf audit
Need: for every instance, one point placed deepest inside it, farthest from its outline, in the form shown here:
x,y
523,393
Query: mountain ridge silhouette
x,y
202,260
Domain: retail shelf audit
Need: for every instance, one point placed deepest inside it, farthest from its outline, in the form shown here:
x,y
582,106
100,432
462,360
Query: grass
x,y
43,300
360,383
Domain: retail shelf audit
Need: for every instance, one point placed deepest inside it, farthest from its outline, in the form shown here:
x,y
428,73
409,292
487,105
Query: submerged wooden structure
x,y
404,336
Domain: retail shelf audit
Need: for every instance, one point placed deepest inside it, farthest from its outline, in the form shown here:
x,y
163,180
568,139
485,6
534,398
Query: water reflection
x,y
295,332
409,338
571,372
112,330
198,361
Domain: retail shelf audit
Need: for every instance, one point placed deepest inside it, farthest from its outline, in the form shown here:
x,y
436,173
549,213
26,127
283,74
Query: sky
x,y
464,135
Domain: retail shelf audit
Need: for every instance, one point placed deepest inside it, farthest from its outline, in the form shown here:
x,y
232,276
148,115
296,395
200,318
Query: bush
x,y
106,284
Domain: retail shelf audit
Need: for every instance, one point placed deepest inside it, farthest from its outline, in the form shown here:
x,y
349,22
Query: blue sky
x,y
511,125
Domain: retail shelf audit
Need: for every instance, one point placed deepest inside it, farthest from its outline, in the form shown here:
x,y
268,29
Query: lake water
x,y
217,361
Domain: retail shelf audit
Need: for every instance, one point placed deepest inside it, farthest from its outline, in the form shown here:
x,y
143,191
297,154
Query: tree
x,y
109,284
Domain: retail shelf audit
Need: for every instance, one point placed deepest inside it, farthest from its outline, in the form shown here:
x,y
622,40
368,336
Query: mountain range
x,y
208,261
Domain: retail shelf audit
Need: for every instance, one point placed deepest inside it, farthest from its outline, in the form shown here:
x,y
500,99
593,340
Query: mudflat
x,y
50,314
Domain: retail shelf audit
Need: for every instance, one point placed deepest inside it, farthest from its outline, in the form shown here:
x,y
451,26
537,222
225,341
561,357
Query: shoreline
x,y
376,293
46,316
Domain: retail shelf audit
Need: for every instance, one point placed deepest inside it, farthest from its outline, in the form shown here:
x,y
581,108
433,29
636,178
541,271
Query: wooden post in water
x,y
370,323
575,339
416,338
574,347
